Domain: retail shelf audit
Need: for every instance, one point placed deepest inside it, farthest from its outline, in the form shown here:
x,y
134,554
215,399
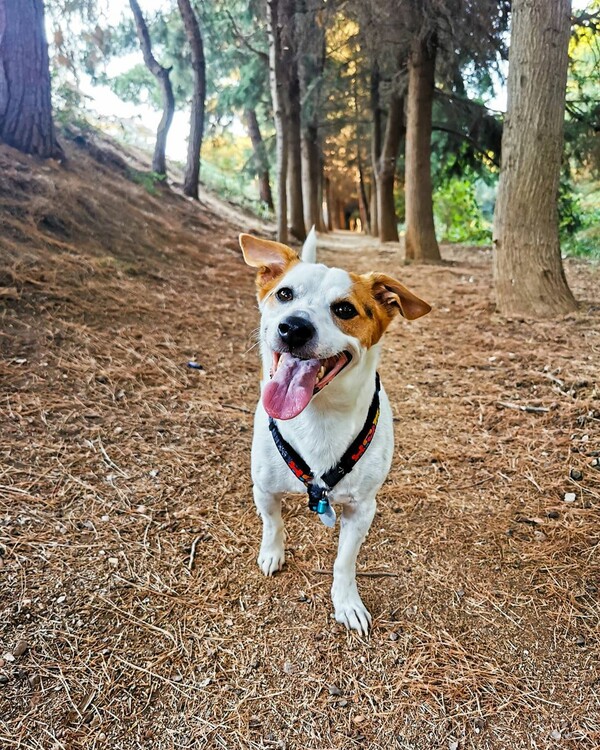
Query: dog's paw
x,y
271,559
351,612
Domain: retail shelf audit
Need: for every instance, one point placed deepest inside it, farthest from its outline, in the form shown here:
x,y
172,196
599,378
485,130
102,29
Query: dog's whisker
x,y
254,345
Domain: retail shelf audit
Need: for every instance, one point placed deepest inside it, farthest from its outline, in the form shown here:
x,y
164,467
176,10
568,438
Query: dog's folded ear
x,y
271,258
395,297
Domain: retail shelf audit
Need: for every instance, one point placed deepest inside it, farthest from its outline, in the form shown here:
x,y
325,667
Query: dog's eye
x,y
344,310
285,294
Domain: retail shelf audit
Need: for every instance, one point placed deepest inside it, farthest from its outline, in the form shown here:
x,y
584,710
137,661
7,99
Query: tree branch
x,y
263,55
469,139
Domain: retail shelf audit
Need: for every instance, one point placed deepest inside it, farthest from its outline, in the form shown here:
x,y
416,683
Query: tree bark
x,y
386,170
159,160
528,272
310,28
311,178
194,36
421,243
260,157
277,80
374,227
295,200
363,203
328,203
376,115
25,99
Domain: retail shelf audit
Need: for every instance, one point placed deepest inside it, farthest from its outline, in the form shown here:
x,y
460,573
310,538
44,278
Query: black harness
x,y
318,494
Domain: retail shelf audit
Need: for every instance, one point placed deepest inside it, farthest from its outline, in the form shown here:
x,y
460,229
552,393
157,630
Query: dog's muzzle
x,y
295,332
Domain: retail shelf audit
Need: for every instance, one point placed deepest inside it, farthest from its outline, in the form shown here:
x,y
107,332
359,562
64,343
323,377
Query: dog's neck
x,y
331,421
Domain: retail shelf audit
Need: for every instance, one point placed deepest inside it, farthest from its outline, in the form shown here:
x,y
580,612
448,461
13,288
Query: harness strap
x,y
317,494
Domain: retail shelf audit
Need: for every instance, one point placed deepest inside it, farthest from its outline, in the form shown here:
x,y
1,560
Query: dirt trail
x,y
128,537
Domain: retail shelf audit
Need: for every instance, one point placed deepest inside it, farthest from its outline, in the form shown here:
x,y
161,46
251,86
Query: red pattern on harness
x,y
366,442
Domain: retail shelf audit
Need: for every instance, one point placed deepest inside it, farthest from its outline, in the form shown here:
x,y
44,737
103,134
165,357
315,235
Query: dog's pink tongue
x,y
291,387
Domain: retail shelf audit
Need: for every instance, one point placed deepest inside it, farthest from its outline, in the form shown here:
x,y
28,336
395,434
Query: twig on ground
x,y
524,407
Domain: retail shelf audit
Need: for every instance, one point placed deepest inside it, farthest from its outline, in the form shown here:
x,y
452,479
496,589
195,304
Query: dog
x,y
323,424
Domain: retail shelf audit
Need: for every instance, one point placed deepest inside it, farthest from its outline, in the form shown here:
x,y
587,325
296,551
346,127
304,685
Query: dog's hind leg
x,y
272,555
355,524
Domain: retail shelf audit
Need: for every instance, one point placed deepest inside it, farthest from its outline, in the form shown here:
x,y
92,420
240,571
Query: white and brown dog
x,y
322,406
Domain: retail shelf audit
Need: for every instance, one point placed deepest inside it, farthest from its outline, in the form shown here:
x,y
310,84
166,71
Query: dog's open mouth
x,y
295,381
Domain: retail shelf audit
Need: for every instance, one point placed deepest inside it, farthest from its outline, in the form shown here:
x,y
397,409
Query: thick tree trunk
x,y
421,243
295,201
25,100
278,83
192,30
260,157
386,171
159,160
528,272
376,115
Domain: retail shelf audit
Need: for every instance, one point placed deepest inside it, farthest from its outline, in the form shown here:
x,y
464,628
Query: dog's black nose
x,y
296,331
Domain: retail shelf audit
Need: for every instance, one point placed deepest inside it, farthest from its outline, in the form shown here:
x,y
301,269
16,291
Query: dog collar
x,y
318,500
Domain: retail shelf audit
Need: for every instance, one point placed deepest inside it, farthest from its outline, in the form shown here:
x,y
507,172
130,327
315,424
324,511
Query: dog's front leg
x,y
272,555
355,524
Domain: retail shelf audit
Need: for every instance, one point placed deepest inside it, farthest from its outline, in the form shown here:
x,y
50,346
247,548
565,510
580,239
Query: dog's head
x,y
317,322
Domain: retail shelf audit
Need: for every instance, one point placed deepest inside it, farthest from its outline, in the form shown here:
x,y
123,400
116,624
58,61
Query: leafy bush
x,y
459,217
579,219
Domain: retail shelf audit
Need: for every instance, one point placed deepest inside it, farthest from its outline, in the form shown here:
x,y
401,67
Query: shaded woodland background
x,y
371,115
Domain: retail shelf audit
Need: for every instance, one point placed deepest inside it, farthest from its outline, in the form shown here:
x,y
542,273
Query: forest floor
x,y
132,611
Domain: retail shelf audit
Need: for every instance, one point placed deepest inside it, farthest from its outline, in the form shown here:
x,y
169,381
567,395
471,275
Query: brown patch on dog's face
x,y
377,299
272,259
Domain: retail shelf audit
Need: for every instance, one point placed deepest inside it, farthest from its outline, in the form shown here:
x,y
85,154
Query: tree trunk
x,y
373,212
341,214
328,203
192,31
295,201
25,100
386,171
159,161
260,157
311,46
375,144
363,203
311,177
421,244
277,80
528,272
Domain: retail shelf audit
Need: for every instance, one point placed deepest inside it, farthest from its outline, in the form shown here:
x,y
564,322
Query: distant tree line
x,y
355,93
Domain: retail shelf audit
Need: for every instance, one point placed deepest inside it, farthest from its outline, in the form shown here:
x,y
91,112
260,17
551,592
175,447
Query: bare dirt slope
x,y
132,613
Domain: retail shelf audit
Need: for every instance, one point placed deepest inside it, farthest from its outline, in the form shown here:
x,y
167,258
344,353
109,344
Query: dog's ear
x,y
395,297
271,258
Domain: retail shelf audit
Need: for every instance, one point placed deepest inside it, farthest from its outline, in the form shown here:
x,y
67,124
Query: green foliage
x,y
580,224
582,134
137,85
148,180
570,216
458,215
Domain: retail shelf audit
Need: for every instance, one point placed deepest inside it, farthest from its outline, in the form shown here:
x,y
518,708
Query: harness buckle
x,y
317,498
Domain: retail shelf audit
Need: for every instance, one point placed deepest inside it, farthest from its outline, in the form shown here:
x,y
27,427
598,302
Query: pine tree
x,y
25,99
